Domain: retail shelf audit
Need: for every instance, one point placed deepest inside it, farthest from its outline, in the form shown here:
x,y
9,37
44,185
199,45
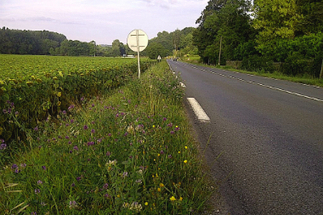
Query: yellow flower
x,y
118,196
161,185
153,126
185,161
181,198
146,203
185,147
158,155
158,189
172,198
179,152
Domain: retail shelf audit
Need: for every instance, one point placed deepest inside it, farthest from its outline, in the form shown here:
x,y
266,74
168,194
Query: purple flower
x,y
93,122
37,191
164,118
75,148
99,140
73,184
90,143
4,111
82,99
117,115
33,213
106,195
39,182
78,178
23,165
16,113
177,128
108,153
14,166
43,167
169,156
3,146
93,105
126,134
64,112
72,120
92,131
67,137
170,125
105,186
85,127
161,152
36,128
17,170
70,107
125,174
172,132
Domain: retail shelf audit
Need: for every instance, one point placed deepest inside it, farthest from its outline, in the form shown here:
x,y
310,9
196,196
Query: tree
x,y
226,19
155,49
275,19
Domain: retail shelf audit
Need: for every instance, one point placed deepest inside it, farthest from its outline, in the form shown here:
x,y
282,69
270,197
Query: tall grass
x,y
127,153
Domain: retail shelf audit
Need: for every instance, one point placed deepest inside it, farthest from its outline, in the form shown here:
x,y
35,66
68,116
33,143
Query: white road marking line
x,y
198,110
271,87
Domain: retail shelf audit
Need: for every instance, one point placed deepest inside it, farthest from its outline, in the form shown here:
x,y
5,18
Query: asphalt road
x,y
266,140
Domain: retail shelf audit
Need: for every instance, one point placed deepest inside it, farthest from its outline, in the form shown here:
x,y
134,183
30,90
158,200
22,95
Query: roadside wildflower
x,y
37,191
85,127
158,189
135,206
185,147
108,153
105,186
39,182
161,185
3,146
146,203
92,131
14,166
110,163
72,204
172,198
185,161
181,198
43,167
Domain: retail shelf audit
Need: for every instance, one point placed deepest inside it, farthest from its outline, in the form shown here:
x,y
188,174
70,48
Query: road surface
x,y
266,139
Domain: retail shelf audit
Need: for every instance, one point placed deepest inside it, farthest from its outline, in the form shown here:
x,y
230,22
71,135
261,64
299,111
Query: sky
x,y
100,20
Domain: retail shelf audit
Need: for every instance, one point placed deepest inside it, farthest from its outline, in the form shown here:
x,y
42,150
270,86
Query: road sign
x,y
137,42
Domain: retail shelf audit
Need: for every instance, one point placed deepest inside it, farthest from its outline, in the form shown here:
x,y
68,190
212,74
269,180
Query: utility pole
x,y
220,51
321,73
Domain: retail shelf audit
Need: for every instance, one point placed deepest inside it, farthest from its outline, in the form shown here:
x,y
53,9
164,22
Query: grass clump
x,y
127,153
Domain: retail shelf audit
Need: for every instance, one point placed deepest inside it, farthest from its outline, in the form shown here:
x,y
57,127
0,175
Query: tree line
x,y
52,43
262,32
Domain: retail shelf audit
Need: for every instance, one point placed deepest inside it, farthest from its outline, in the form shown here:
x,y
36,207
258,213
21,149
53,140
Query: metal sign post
x,y
137,42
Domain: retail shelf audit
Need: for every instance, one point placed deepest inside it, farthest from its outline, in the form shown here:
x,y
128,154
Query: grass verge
x,y
305,79
127,153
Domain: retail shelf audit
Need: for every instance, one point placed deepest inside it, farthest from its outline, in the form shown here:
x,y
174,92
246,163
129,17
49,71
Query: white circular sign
x,y
137,40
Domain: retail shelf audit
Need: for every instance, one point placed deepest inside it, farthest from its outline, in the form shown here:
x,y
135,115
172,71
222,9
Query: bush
x,y
257,63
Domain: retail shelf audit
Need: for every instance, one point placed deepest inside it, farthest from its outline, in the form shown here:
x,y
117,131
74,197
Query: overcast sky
x,y
100,20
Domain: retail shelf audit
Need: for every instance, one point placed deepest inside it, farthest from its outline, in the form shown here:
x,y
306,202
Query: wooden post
x,y
220,51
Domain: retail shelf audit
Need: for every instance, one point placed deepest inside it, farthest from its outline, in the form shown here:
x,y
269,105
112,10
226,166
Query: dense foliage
x,y
178,43
39,86
288,31
52,43
29,42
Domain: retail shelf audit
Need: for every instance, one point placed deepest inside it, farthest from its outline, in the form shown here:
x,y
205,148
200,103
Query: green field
x,y
38,86
129,151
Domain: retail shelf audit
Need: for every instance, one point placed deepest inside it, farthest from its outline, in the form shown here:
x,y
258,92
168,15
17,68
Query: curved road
x,y
266,139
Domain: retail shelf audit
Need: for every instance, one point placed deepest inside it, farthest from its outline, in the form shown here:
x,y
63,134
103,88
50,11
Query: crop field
x,y
126,152
38,86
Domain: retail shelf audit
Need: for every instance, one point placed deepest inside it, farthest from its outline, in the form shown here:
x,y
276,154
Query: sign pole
x,y
137,35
